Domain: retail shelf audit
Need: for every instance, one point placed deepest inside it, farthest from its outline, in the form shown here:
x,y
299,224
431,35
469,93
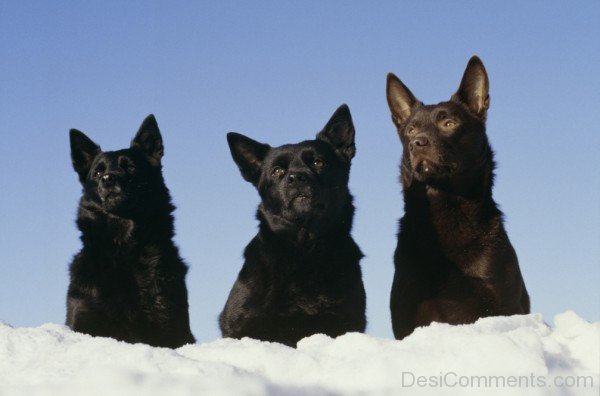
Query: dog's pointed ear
x,y
400,100
149,140
248,154
474,88
83,153
339,133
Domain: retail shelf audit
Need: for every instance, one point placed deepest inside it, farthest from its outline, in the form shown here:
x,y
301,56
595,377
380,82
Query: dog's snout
x,y
108,180
296,178
419,142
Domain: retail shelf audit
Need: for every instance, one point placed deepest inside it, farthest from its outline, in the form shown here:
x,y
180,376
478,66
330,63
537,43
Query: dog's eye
x,y
278,171
411,131
318,163
450,124
131,168
97,174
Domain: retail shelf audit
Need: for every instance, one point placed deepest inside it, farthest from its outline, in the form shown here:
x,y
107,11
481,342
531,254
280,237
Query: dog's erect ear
x,y
474,88
400,100
83,152
339,133
248,154
149,140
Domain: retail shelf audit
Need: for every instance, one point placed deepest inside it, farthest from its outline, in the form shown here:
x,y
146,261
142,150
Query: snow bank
x,y
503,355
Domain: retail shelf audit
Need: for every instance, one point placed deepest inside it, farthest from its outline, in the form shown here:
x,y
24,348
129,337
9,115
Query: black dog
x,y
454,261
301,275
128,281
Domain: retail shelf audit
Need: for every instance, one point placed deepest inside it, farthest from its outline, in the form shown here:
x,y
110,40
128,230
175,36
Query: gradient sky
x,y
276,71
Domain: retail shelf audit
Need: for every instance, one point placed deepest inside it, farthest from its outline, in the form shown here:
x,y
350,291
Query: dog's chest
x,y
310,295
308,300
131,280
306,283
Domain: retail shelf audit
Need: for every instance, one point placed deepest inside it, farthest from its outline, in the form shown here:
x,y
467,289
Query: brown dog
x,y
454,262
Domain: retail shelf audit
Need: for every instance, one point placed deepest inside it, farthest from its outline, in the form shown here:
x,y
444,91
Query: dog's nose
x,y
419,142
295,178
108,180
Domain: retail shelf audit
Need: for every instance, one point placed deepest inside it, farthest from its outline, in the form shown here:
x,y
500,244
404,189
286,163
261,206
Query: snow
x,y
503,355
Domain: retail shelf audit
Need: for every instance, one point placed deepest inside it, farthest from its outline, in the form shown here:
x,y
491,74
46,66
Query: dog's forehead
x,y
291,150
113,156
430,112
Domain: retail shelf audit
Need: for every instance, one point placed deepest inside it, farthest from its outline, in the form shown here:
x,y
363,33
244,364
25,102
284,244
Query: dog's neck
x,y
105,231
305,236
456,214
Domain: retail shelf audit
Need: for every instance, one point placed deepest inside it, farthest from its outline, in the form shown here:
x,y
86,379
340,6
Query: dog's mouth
x,y
302,202
302,198
427,169
306,201
114,200
112,196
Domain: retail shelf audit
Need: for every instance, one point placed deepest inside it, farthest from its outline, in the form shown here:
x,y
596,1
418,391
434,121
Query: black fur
x,y
454,261
301,274
128,281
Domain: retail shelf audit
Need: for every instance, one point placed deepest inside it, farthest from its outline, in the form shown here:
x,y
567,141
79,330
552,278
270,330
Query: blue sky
x,y
276,71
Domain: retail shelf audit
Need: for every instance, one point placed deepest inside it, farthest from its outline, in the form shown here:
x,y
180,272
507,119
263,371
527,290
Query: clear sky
x,y
276,71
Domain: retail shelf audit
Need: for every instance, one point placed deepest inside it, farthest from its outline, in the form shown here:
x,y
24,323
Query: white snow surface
x,y
502,355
